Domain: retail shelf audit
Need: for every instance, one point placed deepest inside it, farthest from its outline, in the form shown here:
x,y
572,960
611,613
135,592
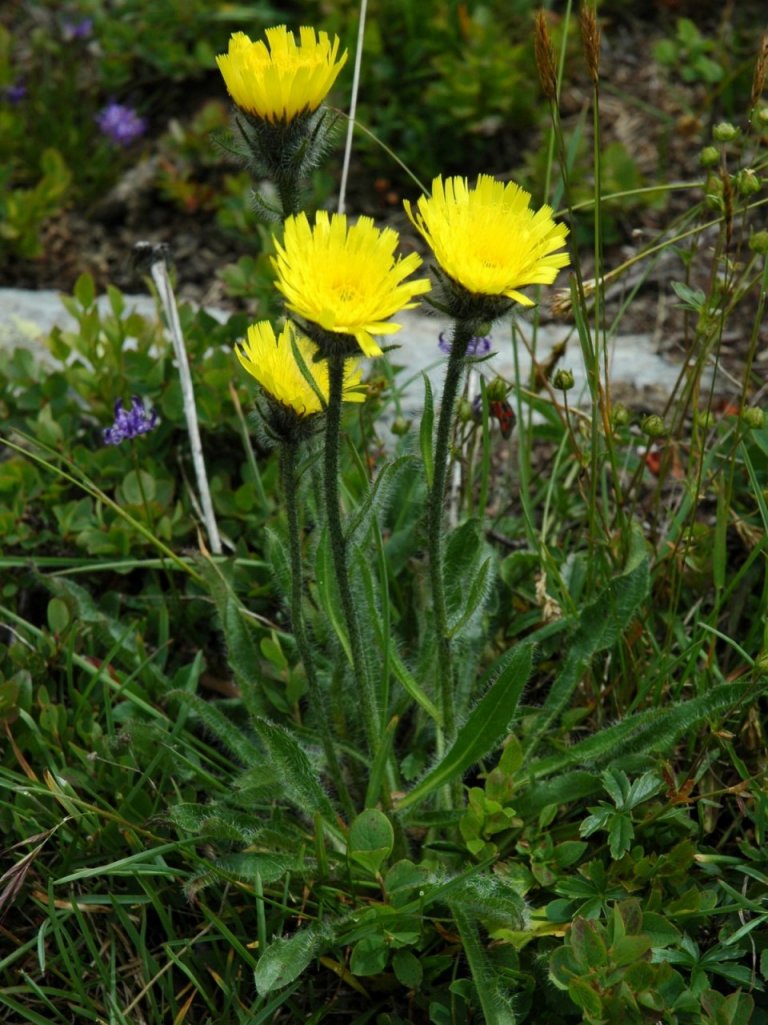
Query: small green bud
x,y
704,418
724,132
714,193
761,662
401,426
747,182
620,415
762,115
753,417
497,390
653,426
709,156
465,411
758,243
563,380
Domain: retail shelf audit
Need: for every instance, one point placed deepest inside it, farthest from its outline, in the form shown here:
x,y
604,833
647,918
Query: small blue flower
x,y
15,93
81,29
478,346
129,423
121,124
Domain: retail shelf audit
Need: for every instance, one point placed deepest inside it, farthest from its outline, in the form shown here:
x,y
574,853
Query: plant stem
x,y
288,469
462,334
339,549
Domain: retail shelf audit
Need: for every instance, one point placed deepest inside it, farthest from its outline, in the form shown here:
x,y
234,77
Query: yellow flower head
x,y
488,239
346,279
278,83
271,361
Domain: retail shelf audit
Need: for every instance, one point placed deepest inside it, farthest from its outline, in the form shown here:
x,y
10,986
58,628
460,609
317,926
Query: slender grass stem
x,y
339,549
462,335
288,469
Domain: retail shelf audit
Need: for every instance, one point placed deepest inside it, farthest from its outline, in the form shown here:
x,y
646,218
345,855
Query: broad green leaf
x,y
285,959
407,969
587,944
369,956
371,839
84,291
485,727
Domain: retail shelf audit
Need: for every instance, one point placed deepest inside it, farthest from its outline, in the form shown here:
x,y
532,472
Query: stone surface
x,y
638,372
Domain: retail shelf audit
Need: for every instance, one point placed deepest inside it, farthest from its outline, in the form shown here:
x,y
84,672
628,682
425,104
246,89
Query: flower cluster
x,y
120,124
129,423
284,81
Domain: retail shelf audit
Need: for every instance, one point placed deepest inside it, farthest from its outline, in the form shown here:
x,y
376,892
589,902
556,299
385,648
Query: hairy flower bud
x,y
747,182
758,243
497,390
709,156
725,132
653,426
753,417
563,380
620,415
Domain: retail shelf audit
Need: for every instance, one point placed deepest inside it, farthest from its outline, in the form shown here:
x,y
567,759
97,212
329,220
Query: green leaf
x,y
371,839
252,865
84,291
369,956
585,997
242,653
587,944
285,959
600,625
379,495
620,835
483,730
407,969
425,432
137,486
477,595
292,766
411,687
58,615
653,730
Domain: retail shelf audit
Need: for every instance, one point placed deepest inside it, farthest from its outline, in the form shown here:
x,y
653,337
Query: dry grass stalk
x,y
758,80
545,56
590,37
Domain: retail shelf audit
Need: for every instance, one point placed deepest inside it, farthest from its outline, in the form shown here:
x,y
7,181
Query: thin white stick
x,y
162,282
352,106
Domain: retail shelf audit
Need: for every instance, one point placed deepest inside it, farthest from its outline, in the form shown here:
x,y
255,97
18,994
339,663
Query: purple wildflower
x,y
76,29
129,423
478,346
121,124
15,93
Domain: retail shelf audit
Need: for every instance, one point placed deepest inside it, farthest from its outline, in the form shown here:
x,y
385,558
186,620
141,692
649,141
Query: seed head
x,y
545,56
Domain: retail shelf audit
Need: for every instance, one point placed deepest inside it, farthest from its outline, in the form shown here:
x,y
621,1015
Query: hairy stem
x,y
462,335
288,460
339,549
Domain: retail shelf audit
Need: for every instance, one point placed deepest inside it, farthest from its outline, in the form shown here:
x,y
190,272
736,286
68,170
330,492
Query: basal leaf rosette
x,y
488,240
281,79
345,278
272,360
